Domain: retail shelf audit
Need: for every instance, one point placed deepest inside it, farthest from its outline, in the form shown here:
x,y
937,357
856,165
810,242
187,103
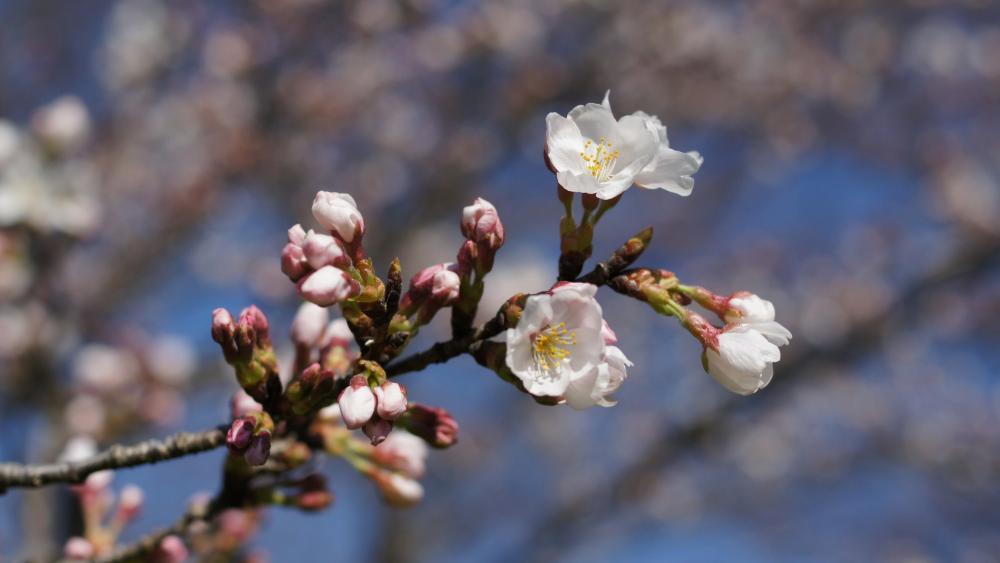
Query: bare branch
x,y
115,457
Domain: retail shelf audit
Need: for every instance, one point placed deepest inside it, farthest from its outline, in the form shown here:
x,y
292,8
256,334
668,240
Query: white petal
x,y
582,182
564,143
670,171
596,121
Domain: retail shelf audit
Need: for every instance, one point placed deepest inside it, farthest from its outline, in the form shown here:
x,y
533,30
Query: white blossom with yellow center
x,y
557,340
593,153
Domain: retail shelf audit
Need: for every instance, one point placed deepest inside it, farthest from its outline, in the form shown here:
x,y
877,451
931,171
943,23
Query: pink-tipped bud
x,y
223,332
252,316
481,223
337,333
328,286
242,404
446,287
171,550
377,429
357,403
293,262
391,400
323,250
296,235
434,425
610,338
130,503
260,448
398,490
338,213
309,325
402,452
240,434
78,549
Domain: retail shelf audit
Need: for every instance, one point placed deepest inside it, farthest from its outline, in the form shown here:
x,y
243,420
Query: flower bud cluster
x,y
319,264
430,290
246,345
372,407
484,235
250,437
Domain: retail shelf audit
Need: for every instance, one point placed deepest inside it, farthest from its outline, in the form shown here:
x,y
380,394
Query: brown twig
x,y
115,457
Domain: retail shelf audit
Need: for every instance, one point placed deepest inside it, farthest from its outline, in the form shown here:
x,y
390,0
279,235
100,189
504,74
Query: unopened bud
x,y
78,549
339,214
481,223
171,550
357,403
391,398
434,425
377,429
252,316
328,286
398,490
240,434
293,262
260,448
309,324
223,332
242,404
323,250
315,495
297,235
130,503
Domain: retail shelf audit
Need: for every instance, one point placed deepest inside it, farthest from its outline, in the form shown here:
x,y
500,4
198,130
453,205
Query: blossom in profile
x,y
591,152
741,359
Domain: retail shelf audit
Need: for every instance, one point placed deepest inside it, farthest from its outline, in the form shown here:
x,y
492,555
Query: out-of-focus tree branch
x,y
115,457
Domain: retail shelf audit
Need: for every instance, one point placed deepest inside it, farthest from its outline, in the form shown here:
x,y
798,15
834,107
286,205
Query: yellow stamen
x,y
550,346
599,159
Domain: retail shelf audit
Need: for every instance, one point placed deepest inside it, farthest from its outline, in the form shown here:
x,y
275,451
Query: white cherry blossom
x,y
741,359
558,339
593,153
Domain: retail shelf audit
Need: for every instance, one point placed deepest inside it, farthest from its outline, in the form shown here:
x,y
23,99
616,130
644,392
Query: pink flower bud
x,y
422,283
398,490
481,223
434,425
339,214
223,331
78,549
402,452
337,333
130,503
309,325
377,430
171,550
240,434
328,285
446,287
610,338
260,448
391,398
296,235
242,404
252,316
293,262
323,250
357,403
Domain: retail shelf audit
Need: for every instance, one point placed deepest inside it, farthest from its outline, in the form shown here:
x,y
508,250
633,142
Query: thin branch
x,y
444,351
115,457
142,548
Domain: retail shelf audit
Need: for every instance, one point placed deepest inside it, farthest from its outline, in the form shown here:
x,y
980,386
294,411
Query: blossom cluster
x,y
554,345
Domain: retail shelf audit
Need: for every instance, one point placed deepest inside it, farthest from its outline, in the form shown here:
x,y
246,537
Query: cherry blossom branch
x,y
448,349
115,457
622,258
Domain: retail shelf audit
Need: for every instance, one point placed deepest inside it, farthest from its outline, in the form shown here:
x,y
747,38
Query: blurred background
x,y
153,152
